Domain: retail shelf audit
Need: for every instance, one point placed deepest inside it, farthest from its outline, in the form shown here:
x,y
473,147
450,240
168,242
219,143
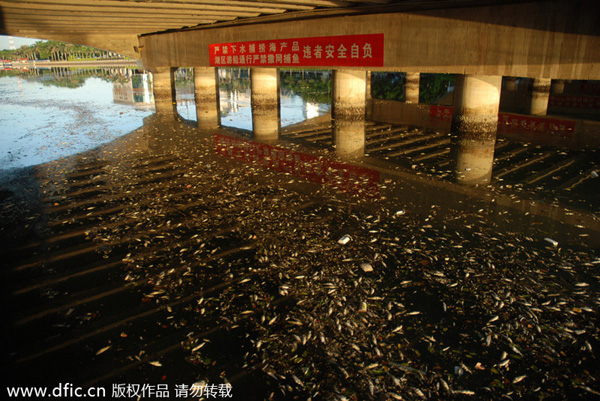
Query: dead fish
x,y
155,363
366,267
504,363
102,350
344,239
297,380
518,379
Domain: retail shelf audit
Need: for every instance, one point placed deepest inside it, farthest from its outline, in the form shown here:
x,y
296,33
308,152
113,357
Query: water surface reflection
x,y
51,114
178,256
303,96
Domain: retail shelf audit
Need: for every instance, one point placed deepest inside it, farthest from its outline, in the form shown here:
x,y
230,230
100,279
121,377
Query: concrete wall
x,y
546,39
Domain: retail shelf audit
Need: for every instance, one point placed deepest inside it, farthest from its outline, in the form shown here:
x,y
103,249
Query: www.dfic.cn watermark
x,y
126,390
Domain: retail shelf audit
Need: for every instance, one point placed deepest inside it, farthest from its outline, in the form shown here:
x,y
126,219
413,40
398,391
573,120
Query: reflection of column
x,y
540,92
206,92
558,86
474,126
164,90
510,84
411,87
369,98
348,112
265,103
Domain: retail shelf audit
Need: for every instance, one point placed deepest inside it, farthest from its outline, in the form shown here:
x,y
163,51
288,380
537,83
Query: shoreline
x,y
86,63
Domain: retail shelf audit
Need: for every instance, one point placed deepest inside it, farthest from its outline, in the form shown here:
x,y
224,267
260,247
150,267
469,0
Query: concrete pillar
x,y
206,91
540,93
411,87
557,87
164,90
510,84
368,98
474,126
348,112
265,103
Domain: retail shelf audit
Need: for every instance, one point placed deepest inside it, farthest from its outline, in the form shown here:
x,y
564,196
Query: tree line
x,y
56,51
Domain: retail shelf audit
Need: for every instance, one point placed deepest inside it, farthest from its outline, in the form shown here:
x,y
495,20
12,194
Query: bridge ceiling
x,y
24,17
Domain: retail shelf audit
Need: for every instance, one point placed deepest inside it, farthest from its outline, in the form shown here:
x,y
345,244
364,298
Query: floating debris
x,y
103,350
344,239
366,267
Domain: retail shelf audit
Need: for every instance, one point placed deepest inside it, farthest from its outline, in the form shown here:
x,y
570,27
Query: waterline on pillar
x,y
349,138
474,161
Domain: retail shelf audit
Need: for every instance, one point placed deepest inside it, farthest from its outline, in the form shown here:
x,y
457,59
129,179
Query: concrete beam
x,y
561,42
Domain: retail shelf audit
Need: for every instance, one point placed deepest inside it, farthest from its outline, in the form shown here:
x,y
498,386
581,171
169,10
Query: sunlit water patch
x,y
41,121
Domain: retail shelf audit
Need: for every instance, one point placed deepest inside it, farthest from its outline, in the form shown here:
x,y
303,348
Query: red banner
x,y
324,51
347,177
578,102
515,123
440,113
512,122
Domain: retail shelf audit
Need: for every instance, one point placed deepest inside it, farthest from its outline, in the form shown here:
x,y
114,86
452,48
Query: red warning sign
x,y
324,51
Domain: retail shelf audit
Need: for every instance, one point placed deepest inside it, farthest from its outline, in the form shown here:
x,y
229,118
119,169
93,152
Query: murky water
x,y
53,115
41,121
172,256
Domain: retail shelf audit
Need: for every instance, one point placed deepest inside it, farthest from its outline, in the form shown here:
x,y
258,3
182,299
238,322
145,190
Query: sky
x,y
4,44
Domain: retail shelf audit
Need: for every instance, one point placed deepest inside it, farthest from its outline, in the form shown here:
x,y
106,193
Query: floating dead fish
x,y
345,239
518,379
464,392
102,350
366,267
155,363
551,241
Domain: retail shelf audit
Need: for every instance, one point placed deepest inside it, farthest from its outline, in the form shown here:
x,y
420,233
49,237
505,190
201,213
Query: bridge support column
x,y
557,87
348,112
474,126
265,103
368,98
540,93
164,90
206,91
411,87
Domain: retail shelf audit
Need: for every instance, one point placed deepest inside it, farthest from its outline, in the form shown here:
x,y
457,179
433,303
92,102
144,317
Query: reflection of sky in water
x,y
236,110
40,123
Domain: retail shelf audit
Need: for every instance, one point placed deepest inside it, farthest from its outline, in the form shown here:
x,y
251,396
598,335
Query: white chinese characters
x,y
356,50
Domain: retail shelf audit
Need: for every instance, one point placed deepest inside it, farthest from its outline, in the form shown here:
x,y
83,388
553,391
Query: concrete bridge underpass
x,y
481,42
